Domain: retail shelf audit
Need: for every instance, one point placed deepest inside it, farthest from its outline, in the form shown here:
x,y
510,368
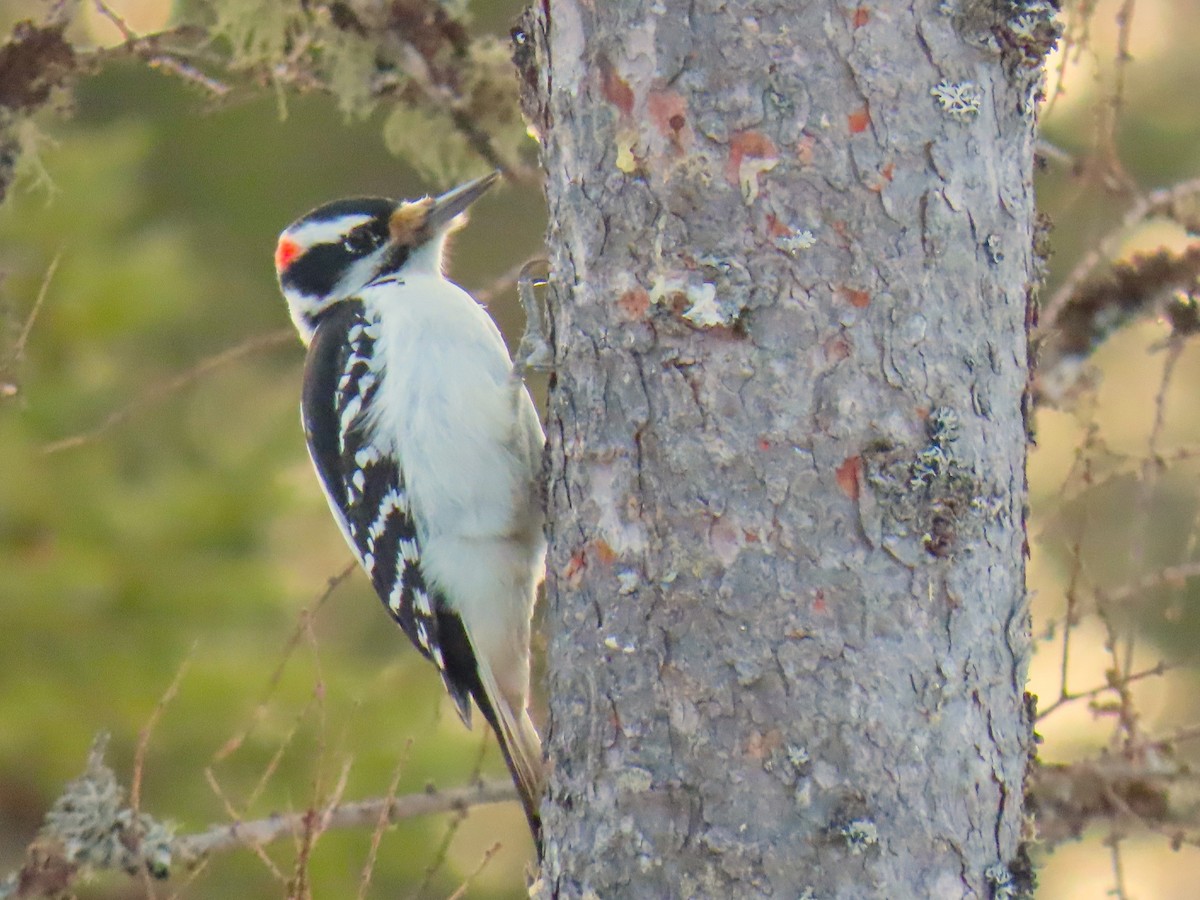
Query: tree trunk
x,y
791,246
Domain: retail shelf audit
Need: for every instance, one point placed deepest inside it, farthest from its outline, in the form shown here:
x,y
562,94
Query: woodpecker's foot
x,y
534,353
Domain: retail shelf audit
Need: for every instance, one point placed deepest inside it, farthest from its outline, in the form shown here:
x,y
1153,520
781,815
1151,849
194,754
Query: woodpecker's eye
x,y
361,241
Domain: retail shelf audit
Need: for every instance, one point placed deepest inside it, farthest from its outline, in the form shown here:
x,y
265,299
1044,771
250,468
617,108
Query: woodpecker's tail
x,y
520,744
468,673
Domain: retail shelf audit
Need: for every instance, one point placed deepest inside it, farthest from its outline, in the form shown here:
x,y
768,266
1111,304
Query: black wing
x,y
365,487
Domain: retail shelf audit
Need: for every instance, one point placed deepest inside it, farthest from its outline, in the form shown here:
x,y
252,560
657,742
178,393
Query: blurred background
x,y
159,519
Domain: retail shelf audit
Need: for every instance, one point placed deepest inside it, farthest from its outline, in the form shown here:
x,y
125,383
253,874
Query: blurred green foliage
x,y
184,530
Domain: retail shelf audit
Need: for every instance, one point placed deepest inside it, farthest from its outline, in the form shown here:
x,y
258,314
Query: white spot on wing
x,y
353,405
422,602
395,597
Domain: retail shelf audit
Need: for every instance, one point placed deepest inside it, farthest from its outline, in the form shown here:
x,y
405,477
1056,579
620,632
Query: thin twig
x,y
438,858
139,756
364,881
18,352
1145,493
1114,844
148,48
1161,668
171,386
105,10
293,641
188,72
487,858
315,825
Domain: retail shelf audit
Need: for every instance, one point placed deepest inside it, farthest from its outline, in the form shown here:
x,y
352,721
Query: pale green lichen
x,y
701,306
96,830
859,834
960,100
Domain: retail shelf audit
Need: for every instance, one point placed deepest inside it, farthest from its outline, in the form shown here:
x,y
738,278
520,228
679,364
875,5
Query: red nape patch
x,y
286,251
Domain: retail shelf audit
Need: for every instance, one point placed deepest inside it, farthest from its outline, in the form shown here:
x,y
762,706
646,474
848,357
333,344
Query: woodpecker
x,y
427,445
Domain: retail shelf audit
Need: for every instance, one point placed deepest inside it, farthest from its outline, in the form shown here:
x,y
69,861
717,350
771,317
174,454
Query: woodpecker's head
x,y
338,249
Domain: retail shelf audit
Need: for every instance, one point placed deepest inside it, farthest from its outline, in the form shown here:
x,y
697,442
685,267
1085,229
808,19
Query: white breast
x,y
465,430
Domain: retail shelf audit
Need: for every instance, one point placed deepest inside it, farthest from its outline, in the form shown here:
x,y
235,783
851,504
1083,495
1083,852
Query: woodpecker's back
x,y
427,445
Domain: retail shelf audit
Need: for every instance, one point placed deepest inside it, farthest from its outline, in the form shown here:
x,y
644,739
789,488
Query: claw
x,y
534,353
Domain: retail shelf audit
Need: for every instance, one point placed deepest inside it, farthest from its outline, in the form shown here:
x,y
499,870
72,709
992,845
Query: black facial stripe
x,y
376,207
317,271
367,238
393,261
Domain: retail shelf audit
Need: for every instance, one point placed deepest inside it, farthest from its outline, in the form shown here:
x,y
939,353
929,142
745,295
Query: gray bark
x,y
791,245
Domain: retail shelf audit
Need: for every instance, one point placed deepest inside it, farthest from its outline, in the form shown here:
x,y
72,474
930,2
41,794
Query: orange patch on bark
x,y
862,16
575,566
616,90
634,303
886,174
775,228
859,120
804,149
819,601
848,475
764,444
604,552
836,348
857,299
744,144
760,746
667,111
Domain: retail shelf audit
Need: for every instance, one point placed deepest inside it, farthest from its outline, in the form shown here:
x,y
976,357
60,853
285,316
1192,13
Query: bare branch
x,y
1161,202
1069,799
1161,283
150,49
1168,576
91,828
361,814
1159,669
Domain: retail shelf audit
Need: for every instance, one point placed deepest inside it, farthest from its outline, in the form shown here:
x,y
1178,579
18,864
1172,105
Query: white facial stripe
x,y
360,272
309,234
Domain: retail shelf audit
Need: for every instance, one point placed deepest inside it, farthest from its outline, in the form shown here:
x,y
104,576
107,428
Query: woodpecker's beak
x,y
416,222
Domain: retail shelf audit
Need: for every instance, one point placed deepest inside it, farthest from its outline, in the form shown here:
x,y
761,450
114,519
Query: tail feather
x,y
469,674
520,744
